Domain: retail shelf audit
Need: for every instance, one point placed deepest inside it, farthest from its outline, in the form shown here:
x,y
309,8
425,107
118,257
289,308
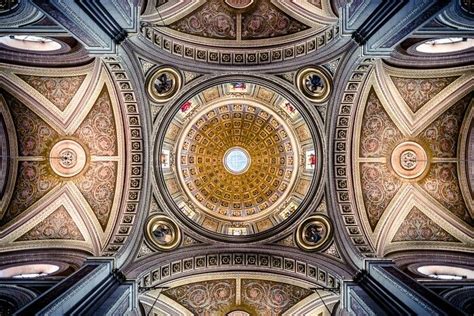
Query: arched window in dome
x,y
443,272
28,271
445,45
30,43
238,313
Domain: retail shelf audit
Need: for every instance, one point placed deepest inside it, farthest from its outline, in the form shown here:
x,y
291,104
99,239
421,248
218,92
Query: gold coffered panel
x,y
238,158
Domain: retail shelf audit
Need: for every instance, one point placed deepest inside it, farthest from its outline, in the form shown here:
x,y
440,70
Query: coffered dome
x,y
238,159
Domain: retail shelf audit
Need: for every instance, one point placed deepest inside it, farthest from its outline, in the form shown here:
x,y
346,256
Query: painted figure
x,y
314,83
163,83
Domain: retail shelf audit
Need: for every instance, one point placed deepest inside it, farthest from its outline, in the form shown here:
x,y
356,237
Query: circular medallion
x,y
67,158
314,233
162,233
314,83
240,5
163,84
237,160
409,160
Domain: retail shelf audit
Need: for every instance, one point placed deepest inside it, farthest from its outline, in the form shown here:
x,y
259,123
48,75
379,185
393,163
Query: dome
x,y
238,158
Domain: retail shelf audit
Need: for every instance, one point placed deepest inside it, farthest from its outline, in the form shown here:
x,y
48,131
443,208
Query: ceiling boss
x,y
238,158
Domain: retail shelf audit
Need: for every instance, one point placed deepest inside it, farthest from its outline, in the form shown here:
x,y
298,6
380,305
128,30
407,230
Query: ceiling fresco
x,y
212,20
67,132
260,295
408,180
205,30
237,157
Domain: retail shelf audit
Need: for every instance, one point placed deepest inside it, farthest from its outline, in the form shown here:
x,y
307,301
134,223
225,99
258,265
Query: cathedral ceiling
x,y
229,170
274,154
411,184
248,292
66,148
205,30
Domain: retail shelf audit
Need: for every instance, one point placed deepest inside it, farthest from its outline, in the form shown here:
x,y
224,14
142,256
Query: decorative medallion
x,y
163,84
238,159
314,233
162,233
67,158
239,4
314,83
409,160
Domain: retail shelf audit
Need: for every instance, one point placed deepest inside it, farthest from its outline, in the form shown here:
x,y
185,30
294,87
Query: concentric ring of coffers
x,y
270,170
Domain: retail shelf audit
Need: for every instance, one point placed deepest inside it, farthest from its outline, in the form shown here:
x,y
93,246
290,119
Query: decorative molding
x,y
342,158
160,274
135,151
238,56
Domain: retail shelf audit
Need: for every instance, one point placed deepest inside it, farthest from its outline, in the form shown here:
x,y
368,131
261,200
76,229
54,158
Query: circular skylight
x,y
28,271
237,160
445,45
446,272
30,43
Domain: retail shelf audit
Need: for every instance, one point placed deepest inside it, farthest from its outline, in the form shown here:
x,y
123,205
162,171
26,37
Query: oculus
x,y
29,271
233,159
162,233
163,83
237,160
314,233
314,83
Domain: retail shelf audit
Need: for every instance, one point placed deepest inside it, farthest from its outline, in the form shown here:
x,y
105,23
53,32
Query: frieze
x,y
135,147
239,56
236,260
342,163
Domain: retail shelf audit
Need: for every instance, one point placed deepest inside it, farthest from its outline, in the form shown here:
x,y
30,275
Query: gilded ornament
x,y
314,83
162,233
314,233
163,84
